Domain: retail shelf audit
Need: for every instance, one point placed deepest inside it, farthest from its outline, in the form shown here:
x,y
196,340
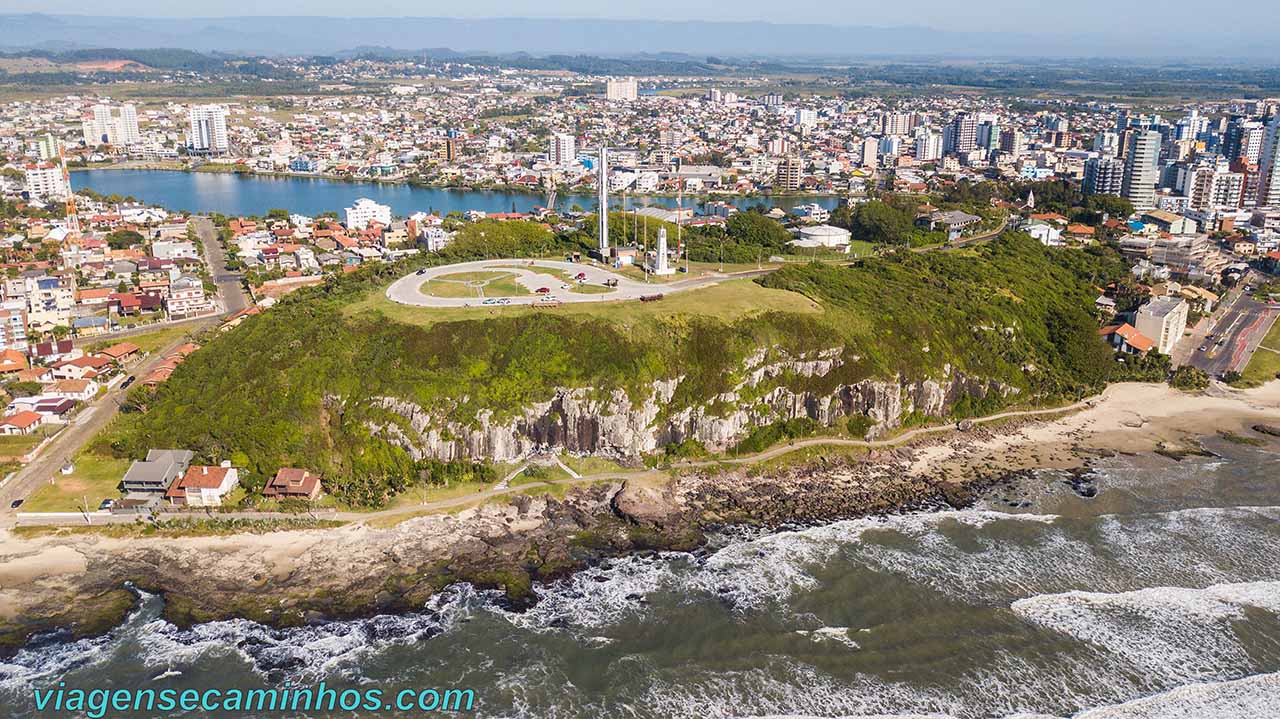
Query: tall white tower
x,y
660,266
603,181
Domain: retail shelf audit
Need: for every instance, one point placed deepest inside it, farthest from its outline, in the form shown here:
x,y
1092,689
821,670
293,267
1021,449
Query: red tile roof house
x,y
1126,338
81,368
24,422
203,486
290,483
121,352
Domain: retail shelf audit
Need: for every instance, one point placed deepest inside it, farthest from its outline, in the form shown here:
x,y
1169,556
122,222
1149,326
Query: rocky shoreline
x,y
75,584
292,578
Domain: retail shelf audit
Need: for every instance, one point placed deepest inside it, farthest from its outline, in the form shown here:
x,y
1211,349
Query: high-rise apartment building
x,y
928,147
207,131
1140,171
626,90
1243,140
896,123
1269,167
563,150
106,126
789,173
45,181
1103,176
871,152
961,134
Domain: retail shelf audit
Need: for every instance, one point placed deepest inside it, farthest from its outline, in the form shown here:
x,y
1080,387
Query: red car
x,y
543,290
581,276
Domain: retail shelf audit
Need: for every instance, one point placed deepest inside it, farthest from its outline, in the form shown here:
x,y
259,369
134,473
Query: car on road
x,y
421,272
547,298
543,291
106,504
16,503
128,381
490,301
566,287
504,300
1203,348
580,276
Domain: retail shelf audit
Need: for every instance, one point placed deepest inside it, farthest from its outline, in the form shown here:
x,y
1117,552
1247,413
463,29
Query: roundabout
x,y
525,282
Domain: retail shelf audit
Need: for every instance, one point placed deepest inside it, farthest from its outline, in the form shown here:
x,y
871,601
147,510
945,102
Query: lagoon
x,y
238,194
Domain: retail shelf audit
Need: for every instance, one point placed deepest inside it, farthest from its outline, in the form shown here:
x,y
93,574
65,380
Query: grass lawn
x,y
437,288
1264,365
472,276
592,465
507,287
149,341
95,477
728,300
19,444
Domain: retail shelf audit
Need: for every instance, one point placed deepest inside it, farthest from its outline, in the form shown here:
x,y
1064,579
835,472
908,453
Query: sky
x,y
1035,16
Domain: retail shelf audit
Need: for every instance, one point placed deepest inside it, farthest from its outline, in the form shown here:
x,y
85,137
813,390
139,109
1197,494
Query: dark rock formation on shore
x,y
293,578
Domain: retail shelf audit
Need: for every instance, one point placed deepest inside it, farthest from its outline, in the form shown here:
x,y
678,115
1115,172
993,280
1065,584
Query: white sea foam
x,y
1171,632
1254,697
597,597
302,651
840,635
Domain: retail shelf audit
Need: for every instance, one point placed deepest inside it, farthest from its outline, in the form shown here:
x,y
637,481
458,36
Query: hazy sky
x,y
1170,17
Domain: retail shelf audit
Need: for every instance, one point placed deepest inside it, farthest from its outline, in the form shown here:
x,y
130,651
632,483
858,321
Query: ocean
x,y
1159,596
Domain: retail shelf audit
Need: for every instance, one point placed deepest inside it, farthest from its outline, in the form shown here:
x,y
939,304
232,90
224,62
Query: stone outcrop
x,y
586,421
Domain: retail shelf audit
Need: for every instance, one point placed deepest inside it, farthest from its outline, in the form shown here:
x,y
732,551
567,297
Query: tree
x,y
752,228
877,221
25,389
1189,379
1112,205
124,239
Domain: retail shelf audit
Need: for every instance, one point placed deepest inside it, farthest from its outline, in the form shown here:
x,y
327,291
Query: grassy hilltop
x,y
290,387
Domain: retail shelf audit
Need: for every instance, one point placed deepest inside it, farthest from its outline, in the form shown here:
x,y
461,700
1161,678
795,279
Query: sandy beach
x,y
1128,417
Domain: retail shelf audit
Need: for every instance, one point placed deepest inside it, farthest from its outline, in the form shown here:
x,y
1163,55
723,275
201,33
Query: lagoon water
x,y
1159,597
232,194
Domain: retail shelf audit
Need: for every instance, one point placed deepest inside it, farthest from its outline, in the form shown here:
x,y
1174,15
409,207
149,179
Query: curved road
x,y
532,274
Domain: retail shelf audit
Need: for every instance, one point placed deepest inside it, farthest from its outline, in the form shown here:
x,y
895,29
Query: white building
x,y
174,250
826,236
207,132
50,301
1141,172
928,147
186,297
365,211
1269,167
624,90
106,127
1163,319
45,182
563,150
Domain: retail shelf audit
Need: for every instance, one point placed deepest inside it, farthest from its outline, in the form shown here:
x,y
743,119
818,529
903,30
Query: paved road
x,y
71,439
1236,336
230,284
408,290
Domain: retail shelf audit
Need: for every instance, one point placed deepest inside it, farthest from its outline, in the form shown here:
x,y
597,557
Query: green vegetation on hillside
x,y
300,385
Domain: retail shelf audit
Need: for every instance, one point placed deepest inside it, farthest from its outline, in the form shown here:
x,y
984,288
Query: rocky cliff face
x,y
582,421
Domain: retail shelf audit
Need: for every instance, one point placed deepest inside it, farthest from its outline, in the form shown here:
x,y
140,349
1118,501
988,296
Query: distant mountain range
x,y
333,35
